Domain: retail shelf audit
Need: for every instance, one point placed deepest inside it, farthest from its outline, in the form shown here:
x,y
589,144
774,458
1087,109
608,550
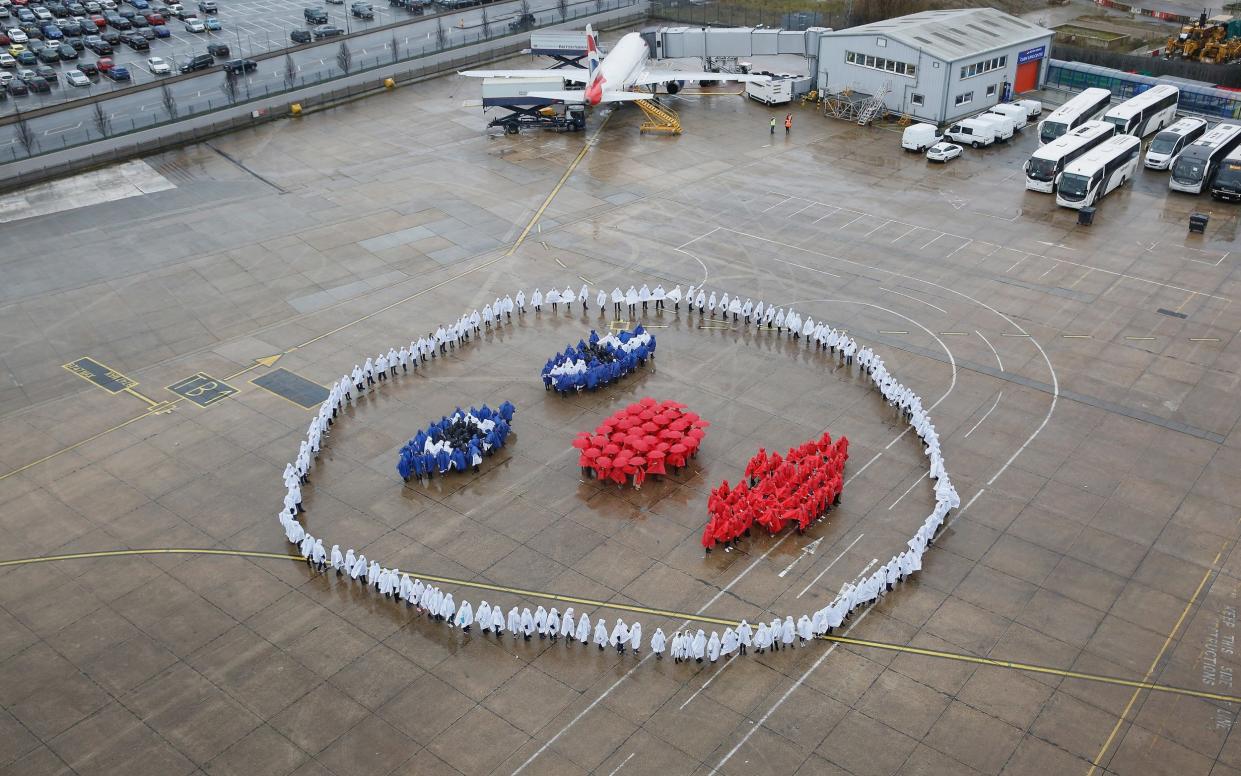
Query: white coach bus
x,y
1170,142
1194,167
1106,167
1071,115
1148,112
1045,165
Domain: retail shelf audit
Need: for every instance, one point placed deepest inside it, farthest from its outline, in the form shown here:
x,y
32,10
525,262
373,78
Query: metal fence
x,y
700,14
1223,75
404,63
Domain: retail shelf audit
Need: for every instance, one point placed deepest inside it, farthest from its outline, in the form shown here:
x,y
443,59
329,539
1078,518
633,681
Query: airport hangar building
x,y
942,65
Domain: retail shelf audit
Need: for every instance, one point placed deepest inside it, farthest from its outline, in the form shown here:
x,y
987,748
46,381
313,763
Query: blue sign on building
x,y
1030,55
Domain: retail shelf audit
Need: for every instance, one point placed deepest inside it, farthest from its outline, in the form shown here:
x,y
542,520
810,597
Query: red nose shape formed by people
x,y
648,437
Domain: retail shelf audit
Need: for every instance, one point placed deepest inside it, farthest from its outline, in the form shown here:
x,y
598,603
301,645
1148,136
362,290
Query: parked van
x,y
1014,112
1033,108
919,137
971,132
1003,125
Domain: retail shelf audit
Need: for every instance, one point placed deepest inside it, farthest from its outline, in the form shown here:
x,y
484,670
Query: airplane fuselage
x,y
620,68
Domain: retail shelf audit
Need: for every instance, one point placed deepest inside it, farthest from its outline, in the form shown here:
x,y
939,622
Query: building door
x,y
1027,76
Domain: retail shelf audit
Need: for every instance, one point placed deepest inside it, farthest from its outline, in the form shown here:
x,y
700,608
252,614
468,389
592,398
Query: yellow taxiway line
x,y
1144,684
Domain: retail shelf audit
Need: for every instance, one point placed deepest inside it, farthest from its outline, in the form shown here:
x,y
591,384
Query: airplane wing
x,y
579,96
576,75
565,96
625,96
663,76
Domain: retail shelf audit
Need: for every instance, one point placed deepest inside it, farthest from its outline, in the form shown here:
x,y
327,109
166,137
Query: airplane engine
x,y
674,86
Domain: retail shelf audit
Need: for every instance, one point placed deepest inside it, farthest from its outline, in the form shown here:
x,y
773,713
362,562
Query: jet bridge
x,y
721,47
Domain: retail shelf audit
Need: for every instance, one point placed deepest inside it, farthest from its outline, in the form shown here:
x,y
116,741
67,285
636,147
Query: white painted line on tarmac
x,y
984,417
912,485
700,689
815,581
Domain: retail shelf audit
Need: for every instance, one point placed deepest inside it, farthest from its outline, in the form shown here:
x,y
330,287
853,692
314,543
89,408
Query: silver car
x,y
77,78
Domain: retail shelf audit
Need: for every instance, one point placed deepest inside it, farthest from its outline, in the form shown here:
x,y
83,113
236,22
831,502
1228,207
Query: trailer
x,y
567,47
514,95
782,88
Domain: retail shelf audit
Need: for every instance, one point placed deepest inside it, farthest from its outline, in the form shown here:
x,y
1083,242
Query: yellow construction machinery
x,y
1205,40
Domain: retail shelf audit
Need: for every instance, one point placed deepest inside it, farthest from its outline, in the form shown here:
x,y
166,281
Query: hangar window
x,y
964,99
991,90
880,63
881,42
917,99
985,66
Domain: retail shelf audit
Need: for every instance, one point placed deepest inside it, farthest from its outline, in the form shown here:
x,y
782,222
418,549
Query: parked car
x,y
155,18
194,24
17,88
147,33
240,66
139,22
16,35
218,50
97,45
51,32
118,73
48,54
104,64
70,27
197,62
26,58
66,52
208,6
362,10
314,15
136,42
7,61
88,69
212,24
49,73
300,36
77,79
76,42
943,152
98,20
39,85
327,31
161,31
159,66
111,37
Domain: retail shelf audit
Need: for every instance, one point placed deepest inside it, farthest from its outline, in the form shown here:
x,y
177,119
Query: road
x,y
147,108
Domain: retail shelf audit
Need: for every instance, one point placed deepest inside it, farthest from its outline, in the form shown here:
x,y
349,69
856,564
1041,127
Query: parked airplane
x,y
613,78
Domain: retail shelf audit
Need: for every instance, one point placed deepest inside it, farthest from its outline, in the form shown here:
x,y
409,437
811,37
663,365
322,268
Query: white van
x,y
1014,112
919,137
1033,108
971,132
1002,125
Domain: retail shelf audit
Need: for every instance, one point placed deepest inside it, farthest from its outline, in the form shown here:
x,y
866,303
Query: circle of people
x,y
684,645
798,488
599,361
453,443
639,440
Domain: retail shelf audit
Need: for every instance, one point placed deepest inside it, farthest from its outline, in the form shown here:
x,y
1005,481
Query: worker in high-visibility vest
x,y
773,125
788,122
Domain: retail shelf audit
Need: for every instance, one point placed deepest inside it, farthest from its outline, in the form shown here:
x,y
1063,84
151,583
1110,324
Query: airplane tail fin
x,y
592,51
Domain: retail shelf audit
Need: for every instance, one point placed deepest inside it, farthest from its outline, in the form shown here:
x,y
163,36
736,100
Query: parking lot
x,y
249,28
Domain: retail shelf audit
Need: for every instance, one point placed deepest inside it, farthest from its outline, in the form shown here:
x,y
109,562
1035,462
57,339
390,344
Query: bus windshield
x,y
1188,170
1120,124
1229,176
1164,143
1041,169
1073,186
1052,130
